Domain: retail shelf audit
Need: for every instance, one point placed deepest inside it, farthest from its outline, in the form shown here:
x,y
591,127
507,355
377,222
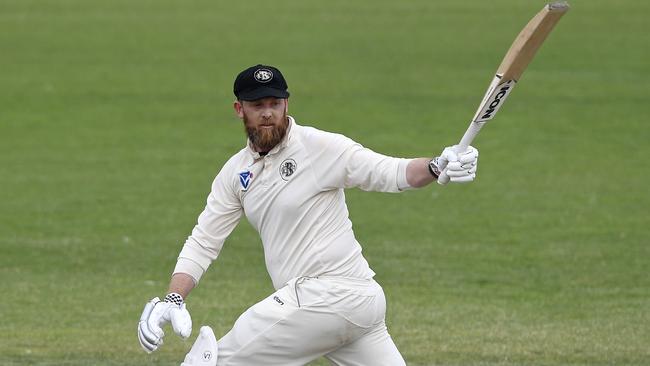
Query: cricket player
x,y
289,182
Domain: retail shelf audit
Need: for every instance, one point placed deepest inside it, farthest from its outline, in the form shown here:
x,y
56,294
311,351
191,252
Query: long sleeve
x,y
221,215
372,171
344,163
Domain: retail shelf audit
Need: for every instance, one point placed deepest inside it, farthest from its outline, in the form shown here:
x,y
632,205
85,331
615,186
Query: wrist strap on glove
x,y
434,168
174,298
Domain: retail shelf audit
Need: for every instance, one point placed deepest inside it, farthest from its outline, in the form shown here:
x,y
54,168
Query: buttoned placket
x,y
267,166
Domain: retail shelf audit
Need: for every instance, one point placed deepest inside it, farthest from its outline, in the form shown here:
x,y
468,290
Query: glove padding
x,y
155,315
459,167
205,350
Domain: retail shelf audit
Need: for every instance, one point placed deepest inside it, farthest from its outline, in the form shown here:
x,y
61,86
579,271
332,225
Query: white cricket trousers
x,y
339,318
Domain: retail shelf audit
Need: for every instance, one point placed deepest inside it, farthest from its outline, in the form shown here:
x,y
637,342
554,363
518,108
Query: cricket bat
x,y
514,63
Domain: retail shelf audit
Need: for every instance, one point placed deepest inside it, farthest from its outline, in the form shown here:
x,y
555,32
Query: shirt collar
x,y
283,143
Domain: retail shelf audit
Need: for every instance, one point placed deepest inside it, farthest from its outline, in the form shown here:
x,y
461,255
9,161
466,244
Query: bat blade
x,y
514,63
520,54
529,40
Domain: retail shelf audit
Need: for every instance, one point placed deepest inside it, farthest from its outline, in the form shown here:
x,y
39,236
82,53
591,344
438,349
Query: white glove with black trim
x,y
156,314
459,167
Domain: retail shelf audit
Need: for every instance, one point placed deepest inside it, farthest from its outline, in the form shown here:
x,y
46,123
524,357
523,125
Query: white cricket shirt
x,y
294,197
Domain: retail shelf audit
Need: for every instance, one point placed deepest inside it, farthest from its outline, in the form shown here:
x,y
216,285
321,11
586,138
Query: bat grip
x,y
468,137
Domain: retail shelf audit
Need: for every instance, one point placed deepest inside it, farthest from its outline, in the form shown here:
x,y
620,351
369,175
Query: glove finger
x,y
470,152
464,179
458,173
147,309
468,157
158,318
449,154
181,321
155,329
473,150
147,346
454,169
146,333
455,166
443,179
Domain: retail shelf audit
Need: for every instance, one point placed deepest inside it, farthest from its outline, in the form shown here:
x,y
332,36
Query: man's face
x,y
265,121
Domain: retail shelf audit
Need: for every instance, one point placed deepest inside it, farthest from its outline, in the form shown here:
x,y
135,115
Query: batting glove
x,y
459,167
156,314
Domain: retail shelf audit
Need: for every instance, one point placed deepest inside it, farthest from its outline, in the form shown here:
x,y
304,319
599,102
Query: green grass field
x,y
116,115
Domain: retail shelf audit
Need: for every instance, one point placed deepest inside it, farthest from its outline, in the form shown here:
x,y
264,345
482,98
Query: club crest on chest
x,y
288,168
245,178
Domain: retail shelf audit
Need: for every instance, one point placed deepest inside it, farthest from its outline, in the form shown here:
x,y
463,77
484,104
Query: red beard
x,y
266,139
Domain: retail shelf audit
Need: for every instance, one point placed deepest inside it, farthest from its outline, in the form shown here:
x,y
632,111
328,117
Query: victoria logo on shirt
x,y
245,179
287,168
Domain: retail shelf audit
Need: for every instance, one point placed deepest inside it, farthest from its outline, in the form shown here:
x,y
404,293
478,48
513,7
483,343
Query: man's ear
x,y
239,109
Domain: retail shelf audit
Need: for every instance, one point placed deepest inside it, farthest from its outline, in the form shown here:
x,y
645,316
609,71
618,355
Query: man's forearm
x,y
418,174
182,284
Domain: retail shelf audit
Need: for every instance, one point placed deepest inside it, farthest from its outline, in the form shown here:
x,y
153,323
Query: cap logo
x,y
263,75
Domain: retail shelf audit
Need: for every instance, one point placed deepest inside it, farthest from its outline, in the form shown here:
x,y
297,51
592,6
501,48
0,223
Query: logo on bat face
x,y
494,101
287,168
263,75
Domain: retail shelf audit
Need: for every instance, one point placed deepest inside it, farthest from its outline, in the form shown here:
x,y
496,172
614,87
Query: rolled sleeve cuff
x,y
189,267
402,183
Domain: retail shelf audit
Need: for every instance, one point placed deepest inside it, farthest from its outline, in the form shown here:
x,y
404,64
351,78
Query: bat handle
x,y
468,137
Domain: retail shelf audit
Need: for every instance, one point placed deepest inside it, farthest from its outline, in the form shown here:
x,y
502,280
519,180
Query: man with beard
x,y
289,182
